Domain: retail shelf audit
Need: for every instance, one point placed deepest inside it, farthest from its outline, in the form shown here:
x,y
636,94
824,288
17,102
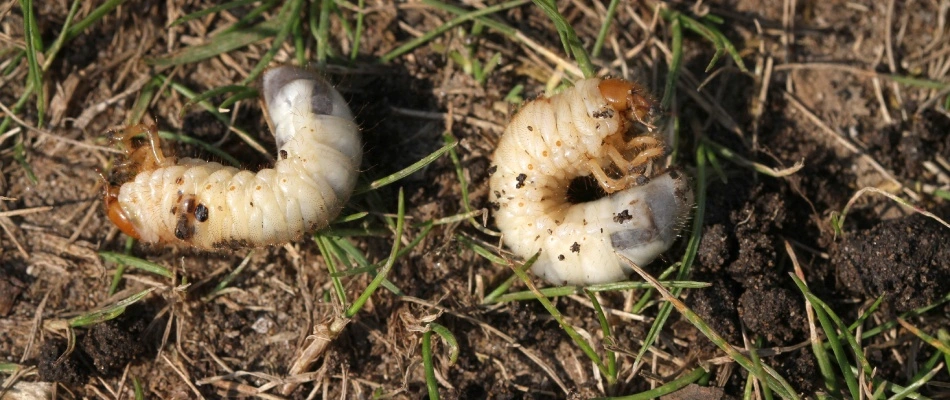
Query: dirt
x,y
229,343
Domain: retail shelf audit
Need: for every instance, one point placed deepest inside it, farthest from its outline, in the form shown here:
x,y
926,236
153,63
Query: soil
x,y
827,89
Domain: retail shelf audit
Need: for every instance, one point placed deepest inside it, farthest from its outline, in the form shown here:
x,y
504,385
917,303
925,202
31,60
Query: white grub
x,y
591,130
206,205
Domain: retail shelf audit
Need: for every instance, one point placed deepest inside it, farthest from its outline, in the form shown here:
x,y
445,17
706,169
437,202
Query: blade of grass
x,y
350,250
925,337
569,290
252,15
241,89
210,10
710,33
137,385
834,340
730,155
287,18
53,50
576,337
92,18
608,339
646,296
120,270
300,43
324,244
837,220
9,368
944,337
220,44
572,44
765,374
416,166
757,364
463,17
602,35
108,313
667,388
691,248
821,355
34,46
200,143
916,385
867,313
676,62
229,278
431,383
381,275
320,29
912,313
136,263
140,107
188,93
358,35
450,139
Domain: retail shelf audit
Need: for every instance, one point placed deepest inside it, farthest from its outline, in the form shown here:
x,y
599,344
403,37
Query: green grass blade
x,y
92,18
569,290
358,35
61,39
608,338
432,385
210,10
229,278
834,340
416,166
572,44
9,368
137,385
676,63
669,387
494,295
140,107
944,338
320,28
450,139
691,248
916,385
758,370
200,143
349,250
34,46
381,275
220,44
605,27
576,337
136,263
240,89
287,18
108,313
462,18
324,244
120,269
449,340
188,93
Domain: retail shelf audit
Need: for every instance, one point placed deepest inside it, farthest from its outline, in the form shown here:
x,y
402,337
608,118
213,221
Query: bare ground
x,y
824,67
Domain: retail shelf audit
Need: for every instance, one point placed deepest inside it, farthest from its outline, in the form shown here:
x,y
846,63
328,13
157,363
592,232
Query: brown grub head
x,y
115,212
628,97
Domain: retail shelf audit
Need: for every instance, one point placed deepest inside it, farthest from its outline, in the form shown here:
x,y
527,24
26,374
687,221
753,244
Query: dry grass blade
x,y
837,220
778,383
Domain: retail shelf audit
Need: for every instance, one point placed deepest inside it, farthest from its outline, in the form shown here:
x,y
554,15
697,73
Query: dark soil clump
x,y
905,258
104,350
